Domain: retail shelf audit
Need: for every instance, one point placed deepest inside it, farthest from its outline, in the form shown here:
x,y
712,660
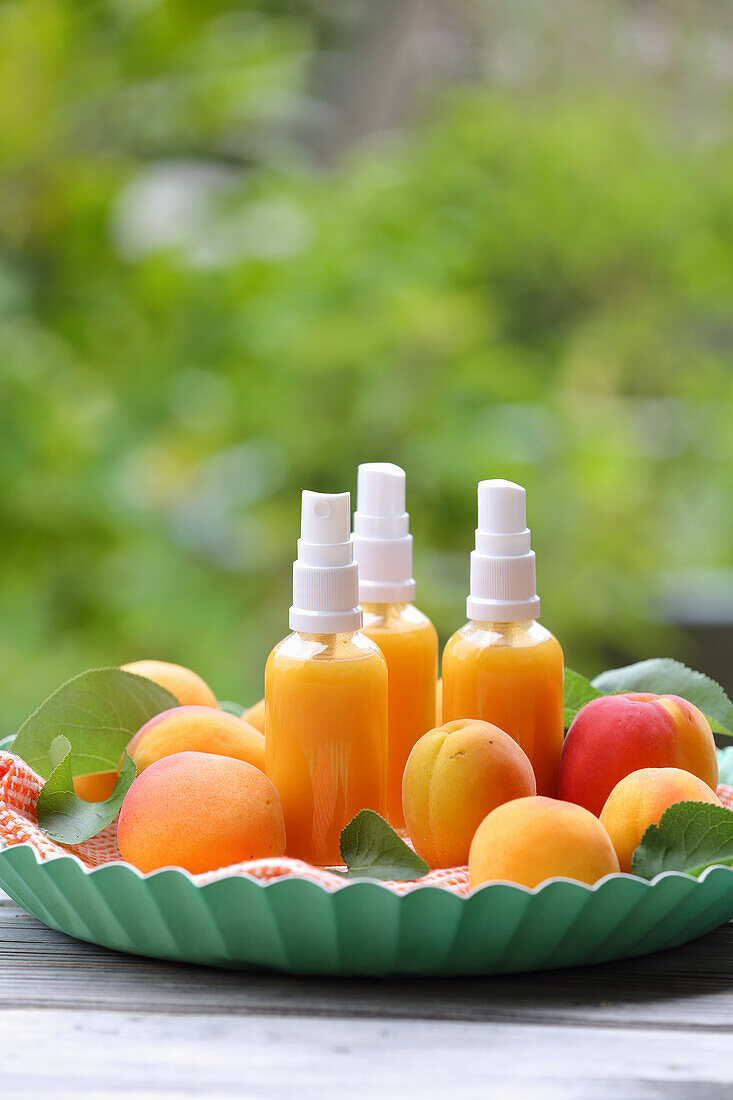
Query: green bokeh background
x,y
244,247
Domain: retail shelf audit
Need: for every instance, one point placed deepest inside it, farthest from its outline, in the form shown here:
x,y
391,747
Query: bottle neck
x,y
342,645
327,639
383,608
502,627
518,634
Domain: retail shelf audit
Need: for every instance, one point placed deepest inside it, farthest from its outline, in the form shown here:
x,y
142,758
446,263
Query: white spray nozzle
x,y
325,575
325,519
380,489
502,507
382,539
503,581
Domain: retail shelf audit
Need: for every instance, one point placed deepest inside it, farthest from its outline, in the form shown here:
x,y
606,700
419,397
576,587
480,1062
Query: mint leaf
x,y
664,676
578,692
689,837
98,711
371,848
65,817
232,708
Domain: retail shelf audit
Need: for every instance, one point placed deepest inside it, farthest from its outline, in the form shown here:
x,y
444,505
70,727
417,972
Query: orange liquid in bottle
x,y
510,674
325,737
409,643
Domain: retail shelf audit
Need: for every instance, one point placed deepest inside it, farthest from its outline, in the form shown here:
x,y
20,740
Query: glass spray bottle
x,y
408,639
325,692
503,666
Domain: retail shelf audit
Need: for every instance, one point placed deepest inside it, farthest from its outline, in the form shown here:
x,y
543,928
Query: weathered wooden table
x,y
80,1021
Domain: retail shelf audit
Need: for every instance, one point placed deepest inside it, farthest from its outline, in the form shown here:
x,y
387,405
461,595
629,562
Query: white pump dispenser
x,y
382,539
325,575
503,580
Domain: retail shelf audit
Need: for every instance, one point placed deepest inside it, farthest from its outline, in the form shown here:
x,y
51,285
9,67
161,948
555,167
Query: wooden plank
x,y
691,987
265,1056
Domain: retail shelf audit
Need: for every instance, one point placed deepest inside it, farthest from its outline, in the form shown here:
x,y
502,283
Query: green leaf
x,y
231,708
578,692
371,848
665,676
65,817
98,711
689,837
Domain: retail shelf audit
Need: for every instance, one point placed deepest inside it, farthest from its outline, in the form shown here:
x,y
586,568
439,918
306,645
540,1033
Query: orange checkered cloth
x,y
19,788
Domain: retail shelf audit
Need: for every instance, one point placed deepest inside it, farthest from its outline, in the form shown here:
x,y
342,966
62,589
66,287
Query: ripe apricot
x,y
453,777
200,811
256,716
618,734
196,729
439,702
639,800
533,839
188,688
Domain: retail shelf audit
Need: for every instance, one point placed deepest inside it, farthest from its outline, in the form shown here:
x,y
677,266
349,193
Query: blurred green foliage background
x,y
244,247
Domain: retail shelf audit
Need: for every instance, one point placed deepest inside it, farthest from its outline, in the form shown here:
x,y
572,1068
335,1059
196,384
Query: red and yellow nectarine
x,y
619,734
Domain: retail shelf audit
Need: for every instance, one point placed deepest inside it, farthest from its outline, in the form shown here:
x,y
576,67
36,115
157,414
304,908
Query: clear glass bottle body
x,y
325,736
510,674
409,643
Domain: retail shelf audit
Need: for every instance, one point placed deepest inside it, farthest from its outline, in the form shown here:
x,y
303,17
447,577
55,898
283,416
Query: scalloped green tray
x,y
297,926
